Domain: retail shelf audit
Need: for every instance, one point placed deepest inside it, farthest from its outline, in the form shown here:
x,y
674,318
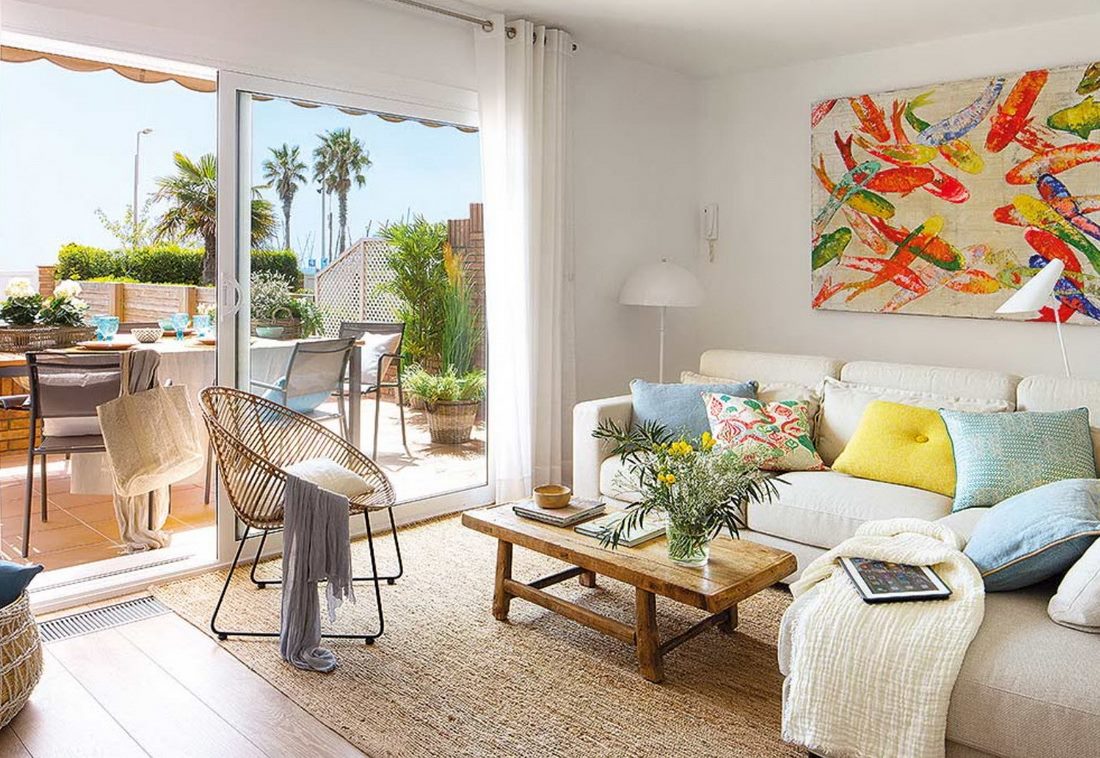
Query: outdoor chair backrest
x,y
376,359
128,326
317,366
357,329
67,386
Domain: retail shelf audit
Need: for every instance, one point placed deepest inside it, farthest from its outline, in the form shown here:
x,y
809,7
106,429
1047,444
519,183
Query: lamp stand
x,y
1057,325
661,349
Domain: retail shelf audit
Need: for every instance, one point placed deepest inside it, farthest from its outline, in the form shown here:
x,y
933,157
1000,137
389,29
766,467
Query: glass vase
x,y
687,545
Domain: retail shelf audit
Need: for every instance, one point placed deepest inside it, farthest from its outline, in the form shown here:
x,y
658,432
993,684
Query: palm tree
x,y
192,197
285,171
338,163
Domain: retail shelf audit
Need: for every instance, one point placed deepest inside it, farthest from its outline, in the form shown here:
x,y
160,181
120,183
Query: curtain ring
x,y
510,32
487,25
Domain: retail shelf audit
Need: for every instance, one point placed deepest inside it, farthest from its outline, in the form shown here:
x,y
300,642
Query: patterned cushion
x,y
679,407
998,455
771,436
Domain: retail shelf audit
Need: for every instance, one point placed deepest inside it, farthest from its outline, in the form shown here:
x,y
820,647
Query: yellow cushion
x,y
901,444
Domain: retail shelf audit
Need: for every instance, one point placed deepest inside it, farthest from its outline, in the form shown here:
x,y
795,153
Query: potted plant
x,y
278,313
699,488
451,402
34,323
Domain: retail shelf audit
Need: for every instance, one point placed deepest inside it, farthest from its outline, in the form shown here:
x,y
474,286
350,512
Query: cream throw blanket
x,y
875,681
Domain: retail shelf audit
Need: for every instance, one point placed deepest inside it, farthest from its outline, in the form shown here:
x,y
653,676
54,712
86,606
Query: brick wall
x,y
467,237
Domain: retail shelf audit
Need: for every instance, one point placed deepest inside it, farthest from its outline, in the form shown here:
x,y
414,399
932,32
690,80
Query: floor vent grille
x,y
98,619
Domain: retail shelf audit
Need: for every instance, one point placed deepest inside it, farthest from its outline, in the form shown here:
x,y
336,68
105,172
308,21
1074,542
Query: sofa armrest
x,y
589,452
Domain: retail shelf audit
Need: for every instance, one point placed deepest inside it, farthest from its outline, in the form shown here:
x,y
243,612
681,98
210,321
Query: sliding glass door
x,y
351,275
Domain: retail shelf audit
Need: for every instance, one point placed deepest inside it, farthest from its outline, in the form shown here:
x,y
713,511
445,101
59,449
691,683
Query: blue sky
x,y
67,146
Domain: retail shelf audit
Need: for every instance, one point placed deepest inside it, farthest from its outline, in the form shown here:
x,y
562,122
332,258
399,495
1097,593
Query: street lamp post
x,y
137,166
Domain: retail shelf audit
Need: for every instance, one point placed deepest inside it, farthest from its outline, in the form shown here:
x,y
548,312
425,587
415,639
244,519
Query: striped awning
x,y
10,54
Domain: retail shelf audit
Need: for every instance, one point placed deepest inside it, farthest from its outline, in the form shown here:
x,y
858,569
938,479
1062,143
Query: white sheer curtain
x,y
523,83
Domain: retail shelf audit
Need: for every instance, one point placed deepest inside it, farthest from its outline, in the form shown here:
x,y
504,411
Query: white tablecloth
x,y
186,363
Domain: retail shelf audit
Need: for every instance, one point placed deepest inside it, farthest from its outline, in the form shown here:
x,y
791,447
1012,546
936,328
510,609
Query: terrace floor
x,y
82,528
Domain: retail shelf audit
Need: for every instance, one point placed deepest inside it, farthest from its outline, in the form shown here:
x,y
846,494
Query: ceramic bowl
x,y
269,332
147,334
552,496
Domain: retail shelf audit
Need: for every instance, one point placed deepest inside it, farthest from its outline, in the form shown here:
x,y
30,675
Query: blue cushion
x,y
14,578
304,404
680,407
1037,534
998,455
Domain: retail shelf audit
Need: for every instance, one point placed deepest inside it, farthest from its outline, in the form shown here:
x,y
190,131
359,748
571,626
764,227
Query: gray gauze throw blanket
x,y
316,547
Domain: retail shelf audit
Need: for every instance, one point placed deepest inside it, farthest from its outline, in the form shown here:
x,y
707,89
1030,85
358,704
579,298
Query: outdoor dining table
x,y
192,364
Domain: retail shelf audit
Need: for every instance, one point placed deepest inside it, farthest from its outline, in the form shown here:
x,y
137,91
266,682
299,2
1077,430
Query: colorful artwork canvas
x,y
944,200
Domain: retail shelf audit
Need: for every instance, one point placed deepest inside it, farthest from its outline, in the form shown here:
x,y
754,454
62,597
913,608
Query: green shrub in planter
x,y
164,264
282,262
161,264
85,262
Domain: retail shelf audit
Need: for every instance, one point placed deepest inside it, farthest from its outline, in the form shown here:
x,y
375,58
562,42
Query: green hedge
x,y
163,264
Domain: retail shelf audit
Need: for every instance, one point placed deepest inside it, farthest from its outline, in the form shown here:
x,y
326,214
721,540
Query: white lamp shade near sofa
x,y
662,284
1037,293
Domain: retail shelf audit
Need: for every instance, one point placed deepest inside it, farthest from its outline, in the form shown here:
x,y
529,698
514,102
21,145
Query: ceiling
x,y
710,37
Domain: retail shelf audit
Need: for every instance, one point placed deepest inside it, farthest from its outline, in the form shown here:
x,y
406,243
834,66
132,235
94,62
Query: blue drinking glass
x,y
97,322
179,321
201,322
108,325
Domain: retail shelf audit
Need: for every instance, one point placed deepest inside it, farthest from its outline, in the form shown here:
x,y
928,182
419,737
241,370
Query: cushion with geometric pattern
x,y
771,436
998,455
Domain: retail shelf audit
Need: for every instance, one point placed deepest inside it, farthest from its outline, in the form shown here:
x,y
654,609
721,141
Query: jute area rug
x,y
446,679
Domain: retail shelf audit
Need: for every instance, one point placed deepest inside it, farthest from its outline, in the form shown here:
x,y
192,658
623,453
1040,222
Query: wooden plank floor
x,y
159,687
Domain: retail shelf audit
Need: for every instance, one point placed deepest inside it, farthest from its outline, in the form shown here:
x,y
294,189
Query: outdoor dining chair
x,y
64,386
254,439
315,371
378,355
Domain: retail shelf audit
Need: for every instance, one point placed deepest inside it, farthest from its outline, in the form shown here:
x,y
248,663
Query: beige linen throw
x,y
151,441
875,681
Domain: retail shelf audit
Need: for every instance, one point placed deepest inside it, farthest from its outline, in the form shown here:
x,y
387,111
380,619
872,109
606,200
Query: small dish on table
x,y
551,496
116,345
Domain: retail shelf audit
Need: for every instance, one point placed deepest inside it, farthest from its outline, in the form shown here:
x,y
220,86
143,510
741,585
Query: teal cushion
x,y
304,404
680,407
1037,534
14,578
998,455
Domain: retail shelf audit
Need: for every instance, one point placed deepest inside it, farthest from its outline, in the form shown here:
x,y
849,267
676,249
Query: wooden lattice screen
x,y
348,288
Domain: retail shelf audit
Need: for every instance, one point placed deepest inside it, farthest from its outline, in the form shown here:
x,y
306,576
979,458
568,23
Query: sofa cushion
x,y
1077,602
843,403
771,392
823,508
769,436
998,455
964,522
680,407
1037,534
767,368
901,444
1057,393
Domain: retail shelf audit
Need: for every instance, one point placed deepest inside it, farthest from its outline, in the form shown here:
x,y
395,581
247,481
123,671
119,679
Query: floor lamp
x,y
1037,294
662,285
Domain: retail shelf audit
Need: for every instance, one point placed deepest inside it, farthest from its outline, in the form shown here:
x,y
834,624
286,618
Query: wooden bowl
x,y
551,496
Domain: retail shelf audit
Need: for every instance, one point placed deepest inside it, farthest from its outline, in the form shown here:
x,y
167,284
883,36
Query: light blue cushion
x,y
304,404
998,455
14,578
1037,534
680,407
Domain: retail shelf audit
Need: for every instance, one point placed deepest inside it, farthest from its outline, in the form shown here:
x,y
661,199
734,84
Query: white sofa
x,y
1028,687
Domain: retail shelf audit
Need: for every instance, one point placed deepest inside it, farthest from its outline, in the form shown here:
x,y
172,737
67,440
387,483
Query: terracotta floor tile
x,y
53,540
12,523
75,556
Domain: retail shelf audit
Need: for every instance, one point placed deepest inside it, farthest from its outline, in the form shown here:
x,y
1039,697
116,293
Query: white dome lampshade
x,y
1038,293
662,284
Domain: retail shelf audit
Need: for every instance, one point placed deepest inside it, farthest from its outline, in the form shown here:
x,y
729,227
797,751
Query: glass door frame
x,y
408,98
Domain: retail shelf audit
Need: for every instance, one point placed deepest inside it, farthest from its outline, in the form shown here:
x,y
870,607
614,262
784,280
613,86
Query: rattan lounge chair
x,y
253,440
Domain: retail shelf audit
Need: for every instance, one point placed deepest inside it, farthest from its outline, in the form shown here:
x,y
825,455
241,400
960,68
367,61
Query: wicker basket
x,y
292,327
24,339
452,423
20,657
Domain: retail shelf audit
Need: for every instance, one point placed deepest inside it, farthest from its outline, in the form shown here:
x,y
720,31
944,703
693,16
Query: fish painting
x,y
959,124
1081,119
945,199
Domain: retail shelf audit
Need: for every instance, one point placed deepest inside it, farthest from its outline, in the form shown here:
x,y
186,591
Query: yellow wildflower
x,y
706,441
679,448
668,479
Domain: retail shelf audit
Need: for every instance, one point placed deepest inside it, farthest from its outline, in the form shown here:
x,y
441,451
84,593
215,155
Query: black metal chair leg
x,y
209,470
225,588
42,494
27,502
401,412
377,415
377,586
252,572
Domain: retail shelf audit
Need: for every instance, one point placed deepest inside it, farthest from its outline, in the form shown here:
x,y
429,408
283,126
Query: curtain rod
x,y
484,23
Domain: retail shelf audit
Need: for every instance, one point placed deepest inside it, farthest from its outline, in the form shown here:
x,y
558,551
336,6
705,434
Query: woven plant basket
x,y
452,423
292,327
24,339
20,657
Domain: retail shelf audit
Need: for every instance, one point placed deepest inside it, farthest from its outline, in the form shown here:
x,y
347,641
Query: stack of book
x,y
650,528
578,510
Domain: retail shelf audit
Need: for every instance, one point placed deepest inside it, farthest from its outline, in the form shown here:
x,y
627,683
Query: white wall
x,y
635,179
756,164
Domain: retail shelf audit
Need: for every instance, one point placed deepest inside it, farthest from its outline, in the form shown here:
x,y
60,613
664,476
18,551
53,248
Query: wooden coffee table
x,y
737,570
